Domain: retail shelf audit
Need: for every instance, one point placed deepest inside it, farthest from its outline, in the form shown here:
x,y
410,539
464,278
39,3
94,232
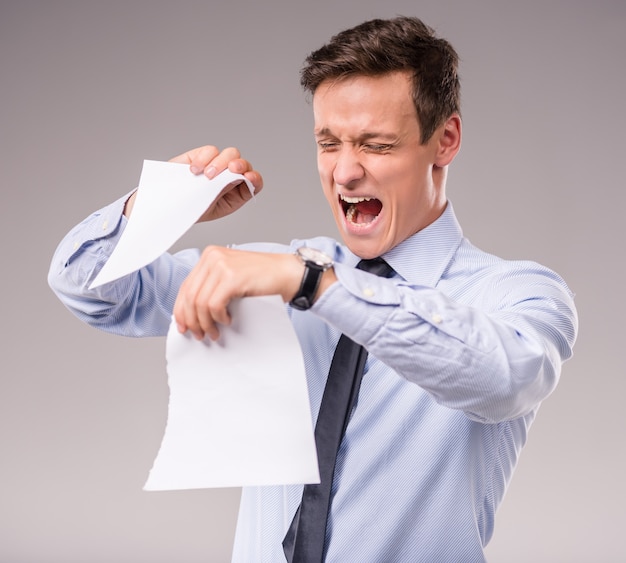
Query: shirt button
x,y
105,224
437,319
368,292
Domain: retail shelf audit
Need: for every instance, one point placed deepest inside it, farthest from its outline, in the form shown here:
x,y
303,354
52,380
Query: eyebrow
x,y
365,136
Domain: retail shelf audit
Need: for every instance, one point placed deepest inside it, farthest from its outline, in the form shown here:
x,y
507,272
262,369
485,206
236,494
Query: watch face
x,y
315,256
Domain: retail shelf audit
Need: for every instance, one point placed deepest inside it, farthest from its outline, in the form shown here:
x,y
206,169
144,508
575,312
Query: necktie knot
x,y
376,266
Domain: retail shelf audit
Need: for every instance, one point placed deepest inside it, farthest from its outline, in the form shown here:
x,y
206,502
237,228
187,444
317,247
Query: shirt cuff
x,y
347,304
106,223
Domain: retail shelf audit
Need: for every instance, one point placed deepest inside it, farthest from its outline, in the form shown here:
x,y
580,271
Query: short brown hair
x,y
379,46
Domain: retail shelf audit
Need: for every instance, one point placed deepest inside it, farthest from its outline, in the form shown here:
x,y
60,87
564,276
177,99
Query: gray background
x,y
88,90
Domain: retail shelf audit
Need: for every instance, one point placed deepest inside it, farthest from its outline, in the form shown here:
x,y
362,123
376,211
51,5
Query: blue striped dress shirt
x,y
463,347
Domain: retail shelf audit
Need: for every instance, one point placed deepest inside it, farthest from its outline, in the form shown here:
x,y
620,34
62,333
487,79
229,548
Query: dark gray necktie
x,y
304,541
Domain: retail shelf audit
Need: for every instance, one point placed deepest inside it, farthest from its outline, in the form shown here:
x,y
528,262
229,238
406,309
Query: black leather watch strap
x,y
303,299
315,264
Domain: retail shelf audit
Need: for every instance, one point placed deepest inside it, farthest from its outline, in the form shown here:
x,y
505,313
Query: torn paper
x,y
170,199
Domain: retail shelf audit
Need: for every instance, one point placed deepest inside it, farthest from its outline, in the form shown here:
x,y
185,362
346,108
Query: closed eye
x,y
327,147
375,147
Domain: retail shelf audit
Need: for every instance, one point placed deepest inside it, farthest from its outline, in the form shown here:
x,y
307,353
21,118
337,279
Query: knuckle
x,y
214,304
232,152
199,302
209,252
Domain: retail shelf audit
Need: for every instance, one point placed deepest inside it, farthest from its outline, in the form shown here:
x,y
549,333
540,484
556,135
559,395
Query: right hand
x,y
210,161
223,274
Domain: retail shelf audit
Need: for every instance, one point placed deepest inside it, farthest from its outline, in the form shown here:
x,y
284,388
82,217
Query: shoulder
x,y
503,282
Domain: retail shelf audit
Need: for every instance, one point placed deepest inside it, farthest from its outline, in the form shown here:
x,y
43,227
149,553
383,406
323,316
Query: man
x,y
463,346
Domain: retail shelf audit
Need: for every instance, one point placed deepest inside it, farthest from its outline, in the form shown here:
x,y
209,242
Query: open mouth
x,y
360,210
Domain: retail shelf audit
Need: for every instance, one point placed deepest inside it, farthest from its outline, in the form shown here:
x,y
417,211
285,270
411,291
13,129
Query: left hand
x,y
223,274
210,161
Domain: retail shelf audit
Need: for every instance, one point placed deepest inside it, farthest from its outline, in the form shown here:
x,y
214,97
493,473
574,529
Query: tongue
x,y
371,207
365,211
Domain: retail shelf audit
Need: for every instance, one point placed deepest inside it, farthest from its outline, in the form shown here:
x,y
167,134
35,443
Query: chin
x,y
362,248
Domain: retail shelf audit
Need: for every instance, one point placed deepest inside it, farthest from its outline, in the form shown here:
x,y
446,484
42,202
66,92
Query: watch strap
x,y
303,299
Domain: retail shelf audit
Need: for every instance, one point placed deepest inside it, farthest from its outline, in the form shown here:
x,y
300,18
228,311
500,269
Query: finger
x,y
214,295
184,307
203,297
198,319
221,161
183,312
184,158
179,311
238,194
211,310
239,166
256,179
202,158
206,152
243,166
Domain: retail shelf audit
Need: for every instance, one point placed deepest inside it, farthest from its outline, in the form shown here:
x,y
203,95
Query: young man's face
x,y
376,175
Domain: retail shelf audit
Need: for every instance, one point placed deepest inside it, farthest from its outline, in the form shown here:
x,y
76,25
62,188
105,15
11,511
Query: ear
x,y
448,141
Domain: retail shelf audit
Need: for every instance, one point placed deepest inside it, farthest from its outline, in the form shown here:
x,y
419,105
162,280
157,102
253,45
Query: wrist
x,y
316,278
329,277
130,202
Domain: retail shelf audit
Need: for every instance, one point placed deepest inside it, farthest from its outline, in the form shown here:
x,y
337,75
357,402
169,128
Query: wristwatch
x,y
315,264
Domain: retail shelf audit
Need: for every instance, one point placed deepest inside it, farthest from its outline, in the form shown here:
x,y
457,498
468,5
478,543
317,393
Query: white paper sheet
x,y
239,411
170,199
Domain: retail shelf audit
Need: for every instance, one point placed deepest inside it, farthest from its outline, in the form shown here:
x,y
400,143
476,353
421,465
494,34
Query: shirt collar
x,y
422,258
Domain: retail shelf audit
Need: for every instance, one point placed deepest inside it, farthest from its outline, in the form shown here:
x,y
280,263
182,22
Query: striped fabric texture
x,y
463,347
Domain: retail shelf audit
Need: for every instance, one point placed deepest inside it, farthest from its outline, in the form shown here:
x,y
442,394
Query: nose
x,y
348,168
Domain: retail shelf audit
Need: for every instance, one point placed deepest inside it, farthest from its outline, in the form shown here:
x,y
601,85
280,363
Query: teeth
x,y
349,199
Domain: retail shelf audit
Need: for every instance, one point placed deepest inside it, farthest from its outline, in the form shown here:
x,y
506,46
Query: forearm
x,y
493,364
137,305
